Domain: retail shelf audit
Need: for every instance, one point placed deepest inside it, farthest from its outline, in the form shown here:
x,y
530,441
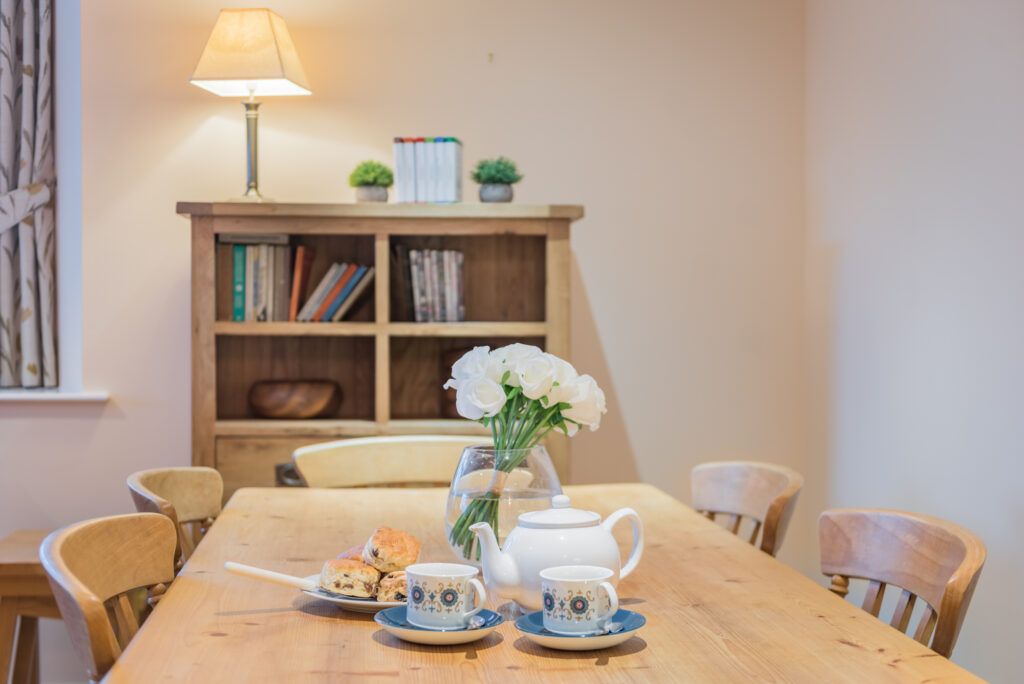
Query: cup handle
x,y
480,597
613,601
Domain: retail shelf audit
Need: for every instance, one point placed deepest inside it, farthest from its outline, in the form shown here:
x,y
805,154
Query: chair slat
x,y
733,524
926,626
127,625
757,528
904,608
873,597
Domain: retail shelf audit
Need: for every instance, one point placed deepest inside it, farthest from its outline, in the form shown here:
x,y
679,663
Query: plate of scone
x,y
369,577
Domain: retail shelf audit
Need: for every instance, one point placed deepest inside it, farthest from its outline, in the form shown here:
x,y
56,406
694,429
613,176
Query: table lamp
x,y
250,53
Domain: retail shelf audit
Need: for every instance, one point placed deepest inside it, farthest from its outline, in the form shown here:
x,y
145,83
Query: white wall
x,y
677,125
915,184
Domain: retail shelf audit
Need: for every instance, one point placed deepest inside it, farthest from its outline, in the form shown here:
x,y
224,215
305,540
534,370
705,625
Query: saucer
x,y
393,620
532,625
353,603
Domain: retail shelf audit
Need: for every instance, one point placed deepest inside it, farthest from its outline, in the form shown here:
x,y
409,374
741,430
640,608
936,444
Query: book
x,y
433,167
420,164
263,268
253,239
364,282
250,282
318,293
238,283
300,279
333,292
282,279
460,272
401,174
416,276
346,290
441,308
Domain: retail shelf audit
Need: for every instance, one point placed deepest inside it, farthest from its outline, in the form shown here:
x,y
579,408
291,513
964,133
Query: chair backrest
x,y
190,497
373,461
91,566
928,558
764,493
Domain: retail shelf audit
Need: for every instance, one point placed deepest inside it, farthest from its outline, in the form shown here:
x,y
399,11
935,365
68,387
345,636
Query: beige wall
x,y
677,124
916,261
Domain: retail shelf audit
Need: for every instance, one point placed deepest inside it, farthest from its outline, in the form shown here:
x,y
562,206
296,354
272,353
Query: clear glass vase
x,y
494,486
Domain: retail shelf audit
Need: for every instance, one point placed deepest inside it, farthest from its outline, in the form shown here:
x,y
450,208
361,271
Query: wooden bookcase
x,y
390,371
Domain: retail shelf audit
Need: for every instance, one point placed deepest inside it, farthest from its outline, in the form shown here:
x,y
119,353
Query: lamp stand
x,y
252,117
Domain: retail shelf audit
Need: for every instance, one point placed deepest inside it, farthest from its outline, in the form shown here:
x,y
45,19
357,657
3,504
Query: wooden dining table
x,y
717,609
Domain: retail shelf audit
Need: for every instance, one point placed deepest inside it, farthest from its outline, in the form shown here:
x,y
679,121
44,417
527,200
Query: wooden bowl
x,y
294,399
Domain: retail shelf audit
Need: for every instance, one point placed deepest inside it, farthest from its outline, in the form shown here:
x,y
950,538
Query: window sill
x,y
51,396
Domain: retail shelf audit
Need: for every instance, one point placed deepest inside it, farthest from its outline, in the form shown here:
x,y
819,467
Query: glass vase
x,y
494,486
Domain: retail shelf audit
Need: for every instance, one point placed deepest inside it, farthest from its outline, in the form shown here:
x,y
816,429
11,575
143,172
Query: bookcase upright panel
x,y
390,368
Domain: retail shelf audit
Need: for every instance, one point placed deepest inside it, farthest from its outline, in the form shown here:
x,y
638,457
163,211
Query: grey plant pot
x,y
495,192
371,193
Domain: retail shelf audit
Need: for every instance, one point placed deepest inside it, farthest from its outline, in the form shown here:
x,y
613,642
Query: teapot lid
x,y
559,515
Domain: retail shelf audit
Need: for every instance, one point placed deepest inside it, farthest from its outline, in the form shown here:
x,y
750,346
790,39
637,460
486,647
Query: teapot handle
x,y
638,537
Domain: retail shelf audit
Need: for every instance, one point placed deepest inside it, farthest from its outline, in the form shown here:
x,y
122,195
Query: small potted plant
x,y
496,177
371,180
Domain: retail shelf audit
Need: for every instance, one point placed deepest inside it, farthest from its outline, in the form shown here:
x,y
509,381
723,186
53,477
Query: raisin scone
x,y
349,578
389,550
355,553
392,587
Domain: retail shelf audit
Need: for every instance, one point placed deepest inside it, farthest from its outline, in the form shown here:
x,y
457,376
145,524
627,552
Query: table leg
x,y
26,660
8,619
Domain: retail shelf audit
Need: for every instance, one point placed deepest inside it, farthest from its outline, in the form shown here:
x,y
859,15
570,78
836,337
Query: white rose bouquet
x,y
522,394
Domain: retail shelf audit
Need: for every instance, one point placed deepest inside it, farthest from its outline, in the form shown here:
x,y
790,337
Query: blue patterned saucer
x,y
393,621
532,625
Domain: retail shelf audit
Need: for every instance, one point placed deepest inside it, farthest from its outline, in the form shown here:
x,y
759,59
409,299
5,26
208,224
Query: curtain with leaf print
x,y
28,356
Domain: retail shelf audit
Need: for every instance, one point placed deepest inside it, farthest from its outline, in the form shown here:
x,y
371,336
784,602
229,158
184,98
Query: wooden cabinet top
x,y
467,210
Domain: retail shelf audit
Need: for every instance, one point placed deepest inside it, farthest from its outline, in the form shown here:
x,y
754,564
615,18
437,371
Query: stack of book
x,y
269,285
428,169
429,285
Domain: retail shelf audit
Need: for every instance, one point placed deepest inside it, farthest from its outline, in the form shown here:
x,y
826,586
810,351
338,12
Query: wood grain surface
x,y
718,609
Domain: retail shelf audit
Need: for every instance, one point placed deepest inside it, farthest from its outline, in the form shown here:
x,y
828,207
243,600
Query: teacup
x,y
578,599
442,596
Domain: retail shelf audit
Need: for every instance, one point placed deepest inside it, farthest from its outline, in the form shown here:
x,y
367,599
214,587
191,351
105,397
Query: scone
x,y
392,587
349,578
355,553
389,550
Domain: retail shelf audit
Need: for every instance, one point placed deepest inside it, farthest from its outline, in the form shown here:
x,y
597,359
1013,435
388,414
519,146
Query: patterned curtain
x,y
28,355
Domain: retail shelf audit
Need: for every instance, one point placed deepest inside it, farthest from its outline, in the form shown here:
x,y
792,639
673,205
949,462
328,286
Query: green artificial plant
x,y
371,173
500,171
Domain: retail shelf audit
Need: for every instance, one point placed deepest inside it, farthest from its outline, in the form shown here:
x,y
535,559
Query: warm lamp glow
x,y
248,53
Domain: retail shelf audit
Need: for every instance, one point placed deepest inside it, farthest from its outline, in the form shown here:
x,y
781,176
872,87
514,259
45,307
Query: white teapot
x,y
557,536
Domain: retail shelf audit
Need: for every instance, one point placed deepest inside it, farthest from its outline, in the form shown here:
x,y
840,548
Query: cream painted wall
x,y
916,273
678,126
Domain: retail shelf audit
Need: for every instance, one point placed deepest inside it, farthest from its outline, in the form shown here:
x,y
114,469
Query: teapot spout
x,y
500,572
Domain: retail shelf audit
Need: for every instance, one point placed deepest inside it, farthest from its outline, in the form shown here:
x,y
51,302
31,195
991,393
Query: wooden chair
x,y
375,461
190,497
762,492
25,597
928,558
92,565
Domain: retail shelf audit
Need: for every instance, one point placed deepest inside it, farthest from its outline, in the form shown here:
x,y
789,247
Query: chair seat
x,y
21,571
24,596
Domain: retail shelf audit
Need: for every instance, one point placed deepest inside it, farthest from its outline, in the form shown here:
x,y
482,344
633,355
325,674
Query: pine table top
x,y
717,609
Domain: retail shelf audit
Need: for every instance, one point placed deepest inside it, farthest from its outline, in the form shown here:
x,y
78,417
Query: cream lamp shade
x,y
250,53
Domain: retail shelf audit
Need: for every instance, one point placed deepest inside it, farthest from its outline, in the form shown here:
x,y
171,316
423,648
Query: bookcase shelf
x,y
390,370
461,329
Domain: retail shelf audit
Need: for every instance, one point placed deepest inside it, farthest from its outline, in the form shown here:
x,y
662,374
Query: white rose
x,y
478,397
474,363
561,387
535,375
588,402
510,357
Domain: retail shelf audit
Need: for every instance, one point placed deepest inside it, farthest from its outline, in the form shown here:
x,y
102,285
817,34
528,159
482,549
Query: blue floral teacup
x,y
578,599
442,595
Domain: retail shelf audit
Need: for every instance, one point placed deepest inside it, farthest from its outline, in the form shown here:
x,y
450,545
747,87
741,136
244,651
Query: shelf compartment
x,y
504,274
329,249
243,360
420,366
